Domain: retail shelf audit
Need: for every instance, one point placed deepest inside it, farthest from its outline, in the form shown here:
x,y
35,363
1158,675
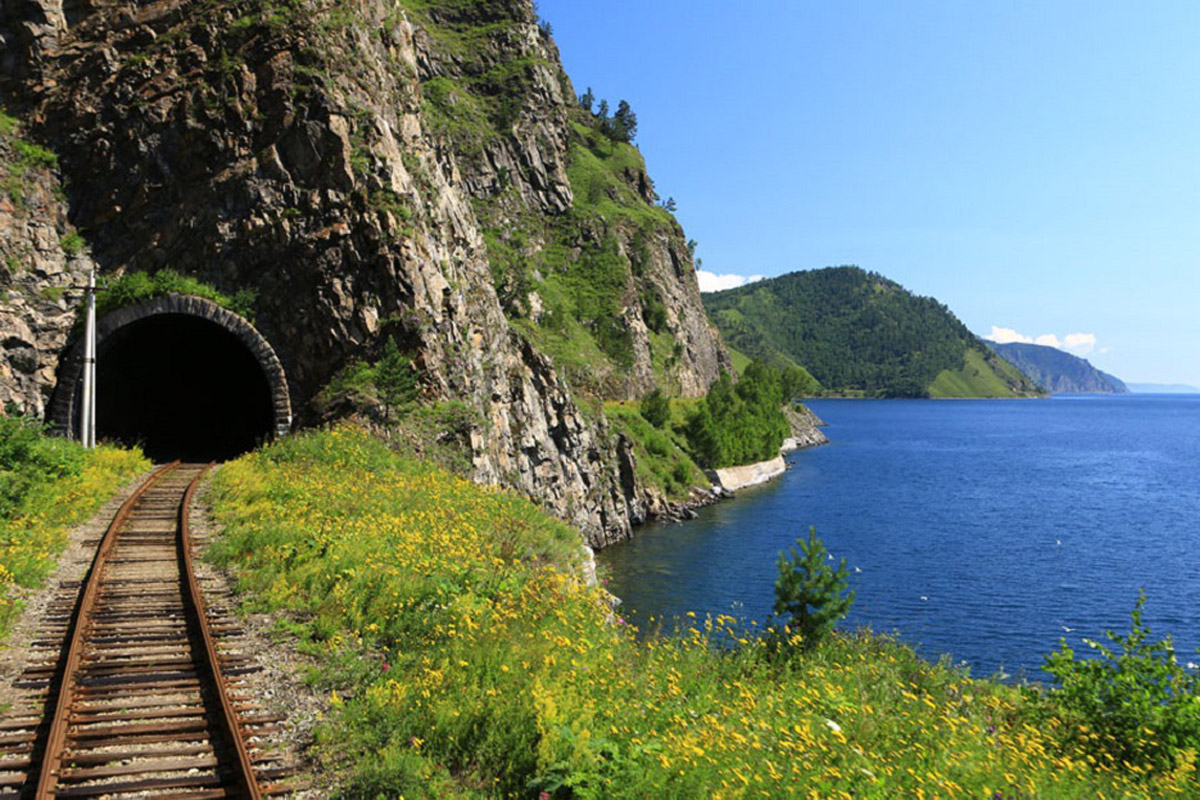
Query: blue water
x,y
981,529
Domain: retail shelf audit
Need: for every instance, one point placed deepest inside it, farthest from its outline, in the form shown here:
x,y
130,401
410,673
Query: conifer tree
x,y
394,379
624,123
808,592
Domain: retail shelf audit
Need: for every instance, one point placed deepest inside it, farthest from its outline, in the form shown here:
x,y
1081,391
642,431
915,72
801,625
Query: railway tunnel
x,y
181,377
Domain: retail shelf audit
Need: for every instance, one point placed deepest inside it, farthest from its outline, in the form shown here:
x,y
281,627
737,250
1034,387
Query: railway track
x,y
136,688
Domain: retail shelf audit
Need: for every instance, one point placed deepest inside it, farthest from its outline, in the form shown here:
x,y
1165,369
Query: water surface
x,y
982,529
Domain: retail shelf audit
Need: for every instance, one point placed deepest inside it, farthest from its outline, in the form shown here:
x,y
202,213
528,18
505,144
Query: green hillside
x,y
859,333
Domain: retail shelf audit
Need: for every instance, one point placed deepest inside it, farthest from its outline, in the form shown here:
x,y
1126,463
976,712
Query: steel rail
x,y
57,737
246,783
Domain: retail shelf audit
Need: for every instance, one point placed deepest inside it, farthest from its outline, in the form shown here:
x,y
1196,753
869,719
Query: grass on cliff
x,y
47,485
462,659
660,454
132,288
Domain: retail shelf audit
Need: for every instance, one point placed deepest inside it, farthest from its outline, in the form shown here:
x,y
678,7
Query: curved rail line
x,y
141,701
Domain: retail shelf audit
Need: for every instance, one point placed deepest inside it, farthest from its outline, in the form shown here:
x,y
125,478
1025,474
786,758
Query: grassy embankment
x,y
976,378
464,660
47,485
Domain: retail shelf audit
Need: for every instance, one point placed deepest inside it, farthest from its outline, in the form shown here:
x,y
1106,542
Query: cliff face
x,y
1058,372
37,305
376,170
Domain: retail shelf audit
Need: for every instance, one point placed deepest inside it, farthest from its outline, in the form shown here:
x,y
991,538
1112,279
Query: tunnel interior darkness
x,y
181,387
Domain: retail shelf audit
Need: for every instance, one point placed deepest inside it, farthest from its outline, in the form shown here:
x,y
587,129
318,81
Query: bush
x,y
1134,686
656,408
808,595
28,458
138,287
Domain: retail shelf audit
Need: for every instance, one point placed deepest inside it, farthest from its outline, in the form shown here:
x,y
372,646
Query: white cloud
x,y
711,282
1081,344
1007,336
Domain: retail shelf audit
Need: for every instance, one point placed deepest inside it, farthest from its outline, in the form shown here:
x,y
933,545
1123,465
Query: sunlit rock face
x,y
318,157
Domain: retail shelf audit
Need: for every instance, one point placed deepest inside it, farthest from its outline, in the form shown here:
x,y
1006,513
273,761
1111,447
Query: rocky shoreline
x,y
806,432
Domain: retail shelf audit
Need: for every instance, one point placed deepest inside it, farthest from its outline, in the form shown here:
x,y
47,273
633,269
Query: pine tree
x,y
394,379
624,123
587,100
808,592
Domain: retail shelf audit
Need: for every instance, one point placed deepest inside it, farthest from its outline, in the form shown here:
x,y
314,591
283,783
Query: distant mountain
x,y
1162,388
859,333
1060,372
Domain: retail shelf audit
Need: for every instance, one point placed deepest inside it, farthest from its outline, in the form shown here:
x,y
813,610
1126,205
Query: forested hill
x,y
1058,372
859,333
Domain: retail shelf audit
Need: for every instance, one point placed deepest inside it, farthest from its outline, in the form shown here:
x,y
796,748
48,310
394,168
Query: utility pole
x,y
87,421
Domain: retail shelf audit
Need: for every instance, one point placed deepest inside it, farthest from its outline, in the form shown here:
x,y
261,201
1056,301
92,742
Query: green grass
x,y
462,659
47,485
596,169
662,460
740,360
138,287
976,378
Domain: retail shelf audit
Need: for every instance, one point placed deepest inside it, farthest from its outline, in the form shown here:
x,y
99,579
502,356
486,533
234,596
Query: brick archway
x,y
64,408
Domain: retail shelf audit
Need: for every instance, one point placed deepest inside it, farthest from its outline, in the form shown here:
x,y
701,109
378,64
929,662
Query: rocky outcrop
x,y
37,301
349,162
806,429
731,479
1057,371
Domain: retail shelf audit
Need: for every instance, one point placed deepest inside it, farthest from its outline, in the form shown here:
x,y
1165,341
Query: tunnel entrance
x,y
182,387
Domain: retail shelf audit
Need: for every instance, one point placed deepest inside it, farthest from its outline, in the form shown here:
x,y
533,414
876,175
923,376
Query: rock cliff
x,y
374,169
1057,371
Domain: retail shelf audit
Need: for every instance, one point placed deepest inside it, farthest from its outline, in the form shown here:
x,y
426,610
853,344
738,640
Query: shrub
x,y
808,594
28,458
1133,686
138,287
656,408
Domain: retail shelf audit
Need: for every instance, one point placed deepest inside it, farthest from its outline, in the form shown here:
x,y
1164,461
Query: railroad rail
x,y
137,688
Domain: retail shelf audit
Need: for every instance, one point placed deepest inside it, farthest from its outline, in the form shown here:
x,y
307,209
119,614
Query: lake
x,y
982,529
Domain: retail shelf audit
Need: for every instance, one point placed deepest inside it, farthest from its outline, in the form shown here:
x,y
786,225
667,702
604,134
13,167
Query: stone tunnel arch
x,y
240,380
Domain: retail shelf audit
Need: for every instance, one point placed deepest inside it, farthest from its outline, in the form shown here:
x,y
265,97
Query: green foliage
x,y
661,458
656,408
138,287
395,379
598,167
596,284
28,457
46,485
855,331
1133,701
740,424
33,156
809,599
72,244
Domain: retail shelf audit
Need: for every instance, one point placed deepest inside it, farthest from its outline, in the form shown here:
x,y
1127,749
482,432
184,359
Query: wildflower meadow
x,y
464,657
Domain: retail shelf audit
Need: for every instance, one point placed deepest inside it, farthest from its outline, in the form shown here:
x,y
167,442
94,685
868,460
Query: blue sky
x,y
1033,165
